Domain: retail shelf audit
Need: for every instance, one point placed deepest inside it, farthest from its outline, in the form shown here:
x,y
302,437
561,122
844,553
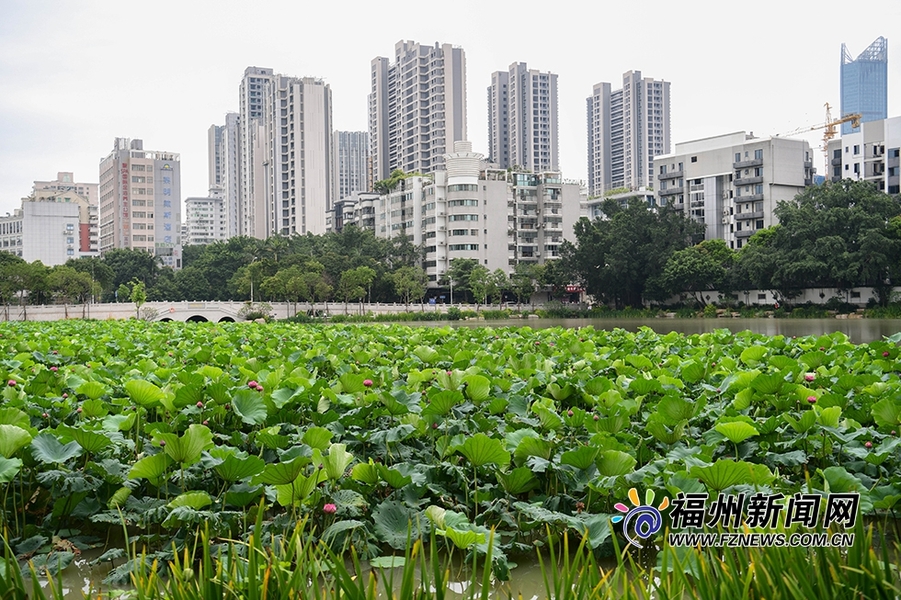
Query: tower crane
x,y
830,130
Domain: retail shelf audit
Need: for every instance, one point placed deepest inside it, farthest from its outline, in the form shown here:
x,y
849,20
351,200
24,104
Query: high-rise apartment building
x,y
285,137
140,201
732,183
627,128
206,221
522,119
864,83
224,170
417,108
350,162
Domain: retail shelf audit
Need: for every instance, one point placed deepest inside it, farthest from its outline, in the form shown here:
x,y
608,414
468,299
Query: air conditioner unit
x,y
725,212
725,220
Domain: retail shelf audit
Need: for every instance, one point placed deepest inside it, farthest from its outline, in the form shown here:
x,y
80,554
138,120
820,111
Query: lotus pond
x,y
378,433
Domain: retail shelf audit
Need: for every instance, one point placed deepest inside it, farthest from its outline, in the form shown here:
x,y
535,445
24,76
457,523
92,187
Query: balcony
x,y
671,175
754,162
836,162
749,180
672,191
745,233
750,198
757,214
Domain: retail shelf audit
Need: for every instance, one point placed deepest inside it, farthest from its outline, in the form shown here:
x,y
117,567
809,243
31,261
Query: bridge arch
x,y
197,319
226,320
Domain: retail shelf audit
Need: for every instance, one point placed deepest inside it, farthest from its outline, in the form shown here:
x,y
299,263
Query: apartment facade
x,y
206,221
417,108
350,163
52,227
732,183
223,151
522,119
493,216
285,136
871,153
864,83
627,128
140,201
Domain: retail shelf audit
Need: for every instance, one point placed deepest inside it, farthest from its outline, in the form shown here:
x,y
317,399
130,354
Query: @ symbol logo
x,y
647,519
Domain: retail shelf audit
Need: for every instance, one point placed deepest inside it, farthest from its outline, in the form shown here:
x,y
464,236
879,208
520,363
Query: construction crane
x,y
830,130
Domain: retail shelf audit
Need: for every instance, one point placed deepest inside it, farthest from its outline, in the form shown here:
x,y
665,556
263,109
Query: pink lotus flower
x,y
569,413
868,445
367,382
329,509
199,404
11,383
812,399
810,376
596,417
54,369
252,384
886,353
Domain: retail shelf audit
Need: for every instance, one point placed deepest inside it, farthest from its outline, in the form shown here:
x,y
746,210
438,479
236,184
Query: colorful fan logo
x,y
647,519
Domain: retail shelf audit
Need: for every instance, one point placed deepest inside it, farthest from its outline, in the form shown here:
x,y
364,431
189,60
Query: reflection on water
x,y
858,330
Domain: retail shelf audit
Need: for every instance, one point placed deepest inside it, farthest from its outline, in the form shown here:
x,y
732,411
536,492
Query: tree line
x,y
835,236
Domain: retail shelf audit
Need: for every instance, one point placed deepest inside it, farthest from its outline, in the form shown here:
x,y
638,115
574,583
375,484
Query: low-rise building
x,y
872,153
52,228
498,217
732,183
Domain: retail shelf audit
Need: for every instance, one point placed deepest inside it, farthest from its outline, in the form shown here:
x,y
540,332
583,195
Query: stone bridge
x,y
216,312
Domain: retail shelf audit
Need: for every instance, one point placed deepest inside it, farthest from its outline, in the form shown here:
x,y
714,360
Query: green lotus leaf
x,y
14,416
613,463
814,359
340,527
426,354
282,473
351,383
657,427
481,450
725,473
336,461
366,472
674,409
442,403
580,458
829,417
548,418
560,392
693,372
119,498
612,423
736,431
91,389
249,405
195,500
752,355
802,425
887,413
271,438
478,387
12,438
598,386
150,467
533,446
640,362
642,386
839,480
297,491
188,448
242,494
394,524
317,437
119,422
144,393
9,468
188,395
463,539
768,383
233,468
49,450
92,441
783,363
53,563
393,477
386,562
518,481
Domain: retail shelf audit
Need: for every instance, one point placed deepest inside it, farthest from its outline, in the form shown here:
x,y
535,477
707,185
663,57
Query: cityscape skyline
x,y
63,102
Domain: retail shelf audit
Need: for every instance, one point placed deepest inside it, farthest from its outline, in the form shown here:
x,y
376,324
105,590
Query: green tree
x,y
497,285
138,295
353,284
831,236
621,258
410,283
128,264
69,285
457,275
480,284
522,282
699,269
100,272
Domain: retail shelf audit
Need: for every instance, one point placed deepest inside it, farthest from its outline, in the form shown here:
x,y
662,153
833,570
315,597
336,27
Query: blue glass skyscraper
x,y
864,85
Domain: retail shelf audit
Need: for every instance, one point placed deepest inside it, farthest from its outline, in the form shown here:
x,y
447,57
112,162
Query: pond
x,y
859,331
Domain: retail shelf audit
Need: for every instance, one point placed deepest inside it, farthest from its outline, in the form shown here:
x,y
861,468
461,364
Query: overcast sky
x,y
76,74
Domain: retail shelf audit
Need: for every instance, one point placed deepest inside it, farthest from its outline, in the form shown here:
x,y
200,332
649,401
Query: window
x,y
758,224
856,149
738,157
758,154
761,296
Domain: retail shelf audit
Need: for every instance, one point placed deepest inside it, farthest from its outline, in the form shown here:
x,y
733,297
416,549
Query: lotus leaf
x,y
49,450
725,473
144,393
188,448
394,523
481,450
736,432
249,405
12,438
518,481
